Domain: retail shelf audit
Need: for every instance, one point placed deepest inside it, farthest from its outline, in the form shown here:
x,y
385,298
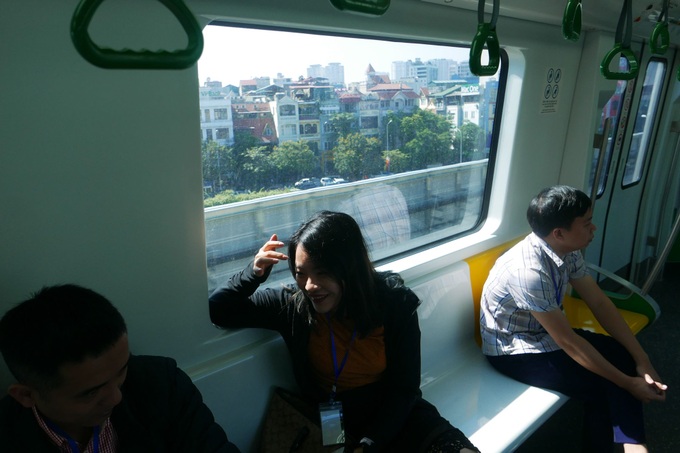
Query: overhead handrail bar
x,y
571,22
370,7
137,59
486,35
660,32
624,31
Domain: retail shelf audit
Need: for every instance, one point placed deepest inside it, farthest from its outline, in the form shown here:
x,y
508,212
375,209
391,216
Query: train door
x,y
627,151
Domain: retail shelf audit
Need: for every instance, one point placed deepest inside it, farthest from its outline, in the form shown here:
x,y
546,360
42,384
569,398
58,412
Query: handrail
x,y
132,59
602,147
370,7
660,32
637,301
662,257
486,34
622,40
571,22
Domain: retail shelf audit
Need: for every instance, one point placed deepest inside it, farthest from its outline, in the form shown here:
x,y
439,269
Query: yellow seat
x,y
580,317
480,265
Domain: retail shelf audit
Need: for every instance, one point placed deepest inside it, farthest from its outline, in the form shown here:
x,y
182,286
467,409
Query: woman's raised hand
x,y
267,256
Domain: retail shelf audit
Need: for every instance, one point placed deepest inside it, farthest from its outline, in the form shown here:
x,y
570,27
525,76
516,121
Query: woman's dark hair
x,y
334,242
57,325
556,207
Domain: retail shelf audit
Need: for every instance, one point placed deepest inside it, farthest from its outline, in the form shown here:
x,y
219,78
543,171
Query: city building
x,y
215,113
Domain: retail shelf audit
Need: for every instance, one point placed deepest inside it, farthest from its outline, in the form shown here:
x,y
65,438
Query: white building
x,y
334,72
215,112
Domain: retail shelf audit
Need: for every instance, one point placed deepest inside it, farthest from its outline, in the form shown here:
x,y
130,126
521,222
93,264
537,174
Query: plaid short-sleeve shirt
x,y
528,277
107,442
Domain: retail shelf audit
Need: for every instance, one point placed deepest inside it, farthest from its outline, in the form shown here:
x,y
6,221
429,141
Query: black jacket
x,y
380,408
161,411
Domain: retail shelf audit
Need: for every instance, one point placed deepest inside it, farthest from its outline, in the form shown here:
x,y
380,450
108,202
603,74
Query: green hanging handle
x,y
131,59
622,46
486,35
571,22
660,32
370,7
633,66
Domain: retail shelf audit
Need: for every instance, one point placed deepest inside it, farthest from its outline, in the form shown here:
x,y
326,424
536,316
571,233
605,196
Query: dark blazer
x,y
161,411
381,408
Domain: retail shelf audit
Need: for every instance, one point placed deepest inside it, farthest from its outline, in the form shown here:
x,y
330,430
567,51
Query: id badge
x,y
332,430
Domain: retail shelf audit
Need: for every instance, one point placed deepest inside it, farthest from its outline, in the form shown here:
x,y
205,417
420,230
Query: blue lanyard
x,y
71,442
558,289
338,369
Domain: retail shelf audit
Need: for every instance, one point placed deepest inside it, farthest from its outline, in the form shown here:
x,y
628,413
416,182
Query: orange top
x,y
365,362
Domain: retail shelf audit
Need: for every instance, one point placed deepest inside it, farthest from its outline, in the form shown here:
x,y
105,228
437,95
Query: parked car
x,y
331,180
307,183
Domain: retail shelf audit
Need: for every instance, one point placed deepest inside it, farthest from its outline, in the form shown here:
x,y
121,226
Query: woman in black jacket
x,y
352,333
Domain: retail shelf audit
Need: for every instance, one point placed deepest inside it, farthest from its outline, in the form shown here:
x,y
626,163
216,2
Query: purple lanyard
x,y
338,369
558,289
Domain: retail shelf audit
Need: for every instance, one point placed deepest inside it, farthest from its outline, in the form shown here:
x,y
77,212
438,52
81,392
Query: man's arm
x,y
610,318
557,326
195,427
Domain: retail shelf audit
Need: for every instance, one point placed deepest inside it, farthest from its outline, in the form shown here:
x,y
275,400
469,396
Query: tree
x,y
472,138
257,168
399,161
357,156
292,161
237,156
428,139
214,158
344,124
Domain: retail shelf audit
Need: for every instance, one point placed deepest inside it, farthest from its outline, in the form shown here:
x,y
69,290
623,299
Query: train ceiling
x,y
596,14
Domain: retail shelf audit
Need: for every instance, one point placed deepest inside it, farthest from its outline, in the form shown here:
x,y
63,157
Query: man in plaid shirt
x,y
527,336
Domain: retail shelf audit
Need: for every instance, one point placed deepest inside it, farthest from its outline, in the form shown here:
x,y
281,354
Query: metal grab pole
x,y
662,257
603,145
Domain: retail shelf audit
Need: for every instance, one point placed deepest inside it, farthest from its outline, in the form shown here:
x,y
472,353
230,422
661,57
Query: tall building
x,y
334,72
400,70
423,71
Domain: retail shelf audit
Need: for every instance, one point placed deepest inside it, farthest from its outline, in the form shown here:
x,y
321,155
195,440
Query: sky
x,y
233,54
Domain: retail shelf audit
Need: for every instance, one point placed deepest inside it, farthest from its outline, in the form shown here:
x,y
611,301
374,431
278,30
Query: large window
x,y
411,177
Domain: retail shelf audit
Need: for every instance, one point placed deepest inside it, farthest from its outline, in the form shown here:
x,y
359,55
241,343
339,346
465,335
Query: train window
x,y
398,134
644,121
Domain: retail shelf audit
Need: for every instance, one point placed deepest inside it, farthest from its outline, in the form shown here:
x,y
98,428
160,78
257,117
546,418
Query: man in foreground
x,y
78,388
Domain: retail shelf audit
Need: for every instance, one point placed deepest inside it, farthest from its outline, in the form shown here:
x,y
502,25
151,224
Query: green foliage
x,y
473,141
344,124
357,156
293,160
428,139
399,161
257,168
229,196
